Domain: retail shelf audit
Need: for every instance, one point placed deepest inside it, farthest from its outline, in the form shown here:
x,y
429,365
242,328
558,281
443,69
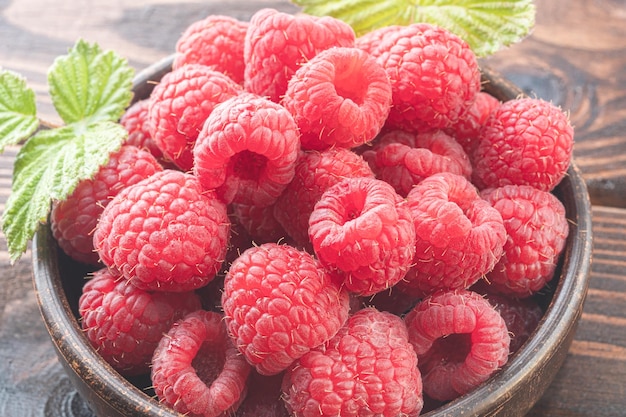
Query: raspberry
x,y
537,228
404,159
341,97
74,219
460,341
277,43
215,41
459,236
526,141
179,105
466,130
197,370
279,303
164,233
315,173
363,230
434,76
368,369
247,150
125,323
136,122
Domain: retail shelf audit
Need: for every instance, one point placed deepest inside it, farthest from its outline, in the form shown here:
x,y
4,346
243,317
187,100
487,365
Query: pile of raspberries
x,y
304,222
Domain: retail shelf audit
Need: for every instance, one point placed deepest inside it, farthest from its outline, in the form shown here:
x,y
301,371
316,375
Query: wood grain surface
x,y
575,57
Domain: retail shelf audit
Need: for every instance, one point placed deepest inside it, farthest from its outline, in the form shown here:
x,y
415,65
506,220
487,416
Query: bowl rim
x,y
552,337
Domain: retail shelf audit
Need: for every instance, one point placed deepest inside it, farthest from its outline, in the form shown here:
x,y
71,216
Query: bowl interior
x,y
511,392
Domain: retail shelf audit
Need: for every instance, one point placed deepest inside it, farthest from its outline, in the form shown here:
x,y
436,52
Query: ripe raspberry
x,y
460,341
403,159
363,230
368,369
526,141
215,41
136,122
164,233
434,76
315,173
74,219
459,236
197,370
277,43
279,303
466,130
341,97
125,324
179,105
537,228
247,150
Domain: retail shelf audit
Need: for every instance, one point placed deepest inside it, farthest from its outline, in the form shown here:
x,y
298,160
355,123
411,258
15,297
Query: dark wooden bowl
x,y
511,392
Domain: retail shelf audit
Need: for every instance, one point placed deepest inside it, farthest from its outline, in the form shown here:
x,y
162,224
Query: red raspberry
x,y
215,41
125,323
278,43
466,130
279,303
526,141
74,219
164,233
197,370
341,97
136,122
179,105
404,159
368,369
460,341
363,230
459,236
247,150
315,173
434,76
537,228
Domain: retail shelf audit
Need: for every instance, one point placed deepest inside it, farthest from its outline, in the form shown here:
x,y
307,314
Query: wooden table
x,y
575,57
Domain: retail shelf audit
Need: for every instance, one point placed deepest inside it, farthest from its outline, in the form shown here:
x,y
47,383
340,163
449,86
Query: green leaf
x,y
90,84
486,25
18,109
48,167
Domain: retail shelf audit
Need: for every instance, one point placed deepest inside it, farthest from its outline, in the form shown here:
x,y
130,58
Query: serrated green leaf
x,y
48,167
90,84
486,25
18,109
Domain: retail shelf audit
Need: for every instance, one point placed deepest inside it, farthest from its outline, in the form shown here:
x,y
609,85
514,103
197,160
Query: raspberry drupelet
x,y
74,219
197,370
247,150
339,98
362,230
137,123
460,341
277,43
124,323
164,233
459,236
279,303
368,369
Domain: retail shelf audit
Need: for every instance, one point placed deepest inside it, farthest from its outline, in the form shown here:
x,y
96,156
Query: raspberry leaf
x,y
486,25
90,84
18,111
48,167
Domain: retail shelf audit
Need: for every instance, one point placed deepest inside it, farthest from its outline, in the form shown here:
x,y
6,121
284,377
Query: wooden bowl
x,y
511,392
